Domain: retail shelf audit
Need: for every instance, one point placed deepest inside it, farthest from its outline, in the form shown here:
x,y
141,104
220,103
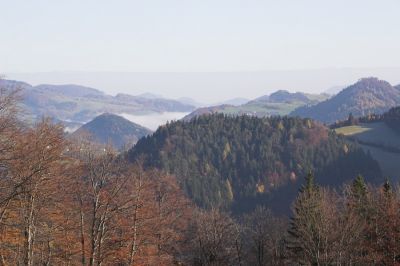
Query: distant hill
x,y
283,96
79,104
190,101
150,96
208,111
70,90
238,161
278,103
114,129
367,96
234,101
13,84
334,90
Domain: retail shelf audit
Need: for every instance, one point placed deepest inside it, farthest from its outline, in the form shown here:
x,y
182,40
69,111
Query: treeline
x,y
391,118
353,121
229,161
357,226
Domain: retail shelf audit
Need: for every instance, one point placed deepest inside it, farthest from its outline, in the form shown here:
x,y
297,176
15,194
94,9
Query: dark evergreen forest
x,y
230,161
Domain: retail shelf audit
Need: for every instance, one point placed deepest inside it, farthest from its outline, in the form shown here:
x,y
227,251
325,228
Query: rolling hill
x,y
382,142
234,101
113,129
367,96
283,96
380,136
233,161
79,104
278,103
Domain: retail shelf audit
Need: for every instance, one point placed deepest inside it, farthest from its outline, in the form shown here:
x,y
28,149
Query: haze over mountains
x,y
74,104
213,87
367,96
278,103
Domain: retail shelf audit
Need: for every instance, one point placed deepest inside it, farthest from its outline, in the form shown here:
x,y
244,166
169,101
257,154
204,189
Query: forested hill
x,y
113,129
233,161
367,96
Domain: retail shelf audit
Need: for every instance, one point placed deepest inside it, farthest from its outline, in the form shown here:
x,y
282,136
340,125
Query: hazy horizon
x,y
207,50
211,87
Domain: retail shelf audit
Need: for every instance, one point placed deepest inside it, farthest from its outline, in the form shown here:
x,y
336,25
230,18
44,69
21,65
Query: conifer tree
x,y
303,226
359,197
359,188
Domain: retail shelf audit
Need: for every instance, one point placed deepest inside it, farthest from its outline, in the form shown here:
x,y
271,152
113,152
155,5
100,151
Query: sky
x,y
44,39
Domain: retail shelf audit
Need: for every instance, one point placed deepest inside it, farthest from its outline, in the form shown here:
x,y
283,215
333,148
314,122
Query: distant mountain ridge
x,y
367,96
208,111
281,102
70,90
79,104
113,129
234,101
282,96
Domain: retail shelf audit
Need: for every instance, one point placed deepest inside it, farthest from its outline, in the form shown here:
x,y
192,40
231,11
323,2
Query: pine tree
x,y
387,188
303,227
359,188
358,217
309,187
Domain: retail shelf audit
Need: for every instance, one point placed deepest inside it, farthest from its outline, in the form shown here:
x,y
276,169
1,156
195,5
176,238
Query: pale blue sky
x,y
197,36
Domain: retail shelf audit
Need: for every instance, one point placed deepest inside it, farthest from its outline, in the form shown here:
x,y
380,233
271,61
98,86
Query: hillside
x,y
234,101
283,96
382,142
278,103
392,118
114,129
79,104
70,90
367,96
380,136
233,161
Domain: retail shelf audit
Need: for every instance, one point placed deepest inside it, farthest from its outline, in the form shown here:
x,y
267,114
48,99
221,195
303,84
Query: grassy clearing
x,y
262,109
380,134
351,130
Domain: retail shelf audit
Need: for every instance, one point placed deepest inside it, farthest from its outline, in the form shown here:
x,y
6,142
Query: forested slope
x,y
224,160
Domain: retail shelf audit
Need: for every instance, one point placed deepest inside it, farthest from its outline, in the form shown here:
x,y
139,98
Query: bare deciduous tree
x,y
216,239
34,164
263,234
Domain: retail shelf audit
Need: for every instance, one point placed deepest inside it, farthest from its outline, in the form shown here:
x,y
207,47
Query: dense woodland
x,y
227,161
72,202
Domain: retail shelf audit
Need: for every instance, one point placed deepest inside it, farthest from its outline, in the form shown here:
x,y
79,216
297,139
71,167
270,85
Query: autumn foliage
x,y
72,202
75,203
